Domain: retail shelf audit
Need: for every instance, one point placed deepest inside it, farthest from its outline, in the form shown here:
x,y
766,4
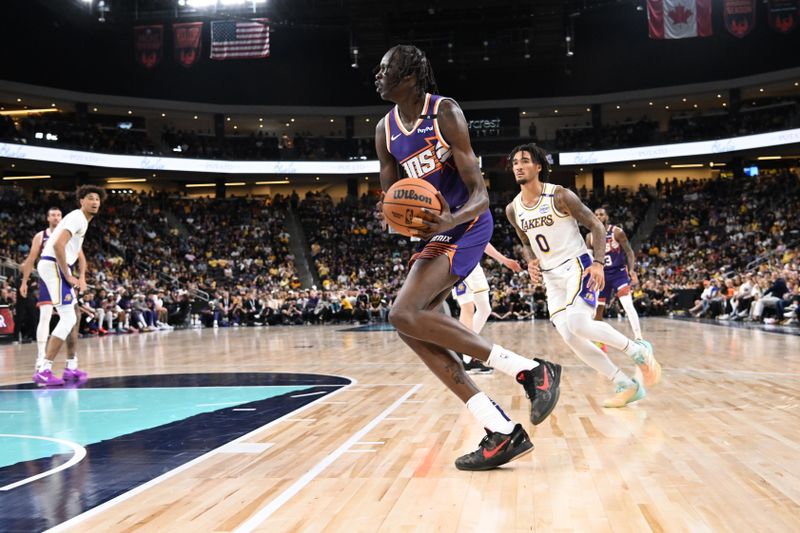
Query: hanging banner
x,y
188,41
679,19
148,42
782,15
739,16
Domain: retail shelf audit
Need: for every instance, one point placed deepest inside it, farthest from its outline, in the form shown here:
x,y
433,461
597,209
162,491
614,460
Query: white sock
x,y
508,362
489,414
45,365
633,316
72,362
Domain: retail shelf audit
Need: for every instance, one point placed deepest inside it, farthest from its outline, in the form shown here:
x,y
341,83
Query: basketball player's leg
x,y
482,311
43,330
71,372
63,299
412,316
580,322
467,313
626,299
506,440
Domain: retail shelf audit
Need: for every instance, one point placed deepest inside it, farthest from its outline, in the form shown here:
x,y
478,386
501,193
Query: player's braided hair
x,y
412,60
538,154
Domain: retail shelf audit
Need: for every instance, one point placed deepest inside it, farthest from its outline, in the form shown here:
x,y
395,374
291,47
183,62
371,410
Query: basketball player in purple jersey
x,y
426,136
619,273
44,302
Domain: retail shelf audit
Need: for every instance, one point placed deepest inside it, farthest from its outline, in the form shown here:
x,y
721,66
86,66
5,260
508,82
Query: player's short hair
x,y
54,208
412,60
538,154
85,190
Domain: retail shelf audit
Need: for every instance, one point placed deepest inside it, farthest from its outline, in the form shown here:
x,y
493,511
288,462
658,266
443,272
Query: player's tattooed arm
x,y
568,202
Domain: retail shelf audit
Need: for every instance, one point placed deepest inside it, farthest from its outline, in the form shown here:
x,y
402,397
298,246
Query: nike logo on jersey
x,y
394,137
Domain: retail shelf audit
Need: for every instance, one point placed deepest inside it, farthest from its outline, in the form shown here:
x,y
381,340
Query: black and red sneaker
x,y
496,449
542,388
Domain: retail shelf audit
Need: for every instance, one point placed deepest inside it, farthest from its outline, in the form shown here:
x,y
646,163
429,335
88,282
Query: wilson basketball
x,y
405,200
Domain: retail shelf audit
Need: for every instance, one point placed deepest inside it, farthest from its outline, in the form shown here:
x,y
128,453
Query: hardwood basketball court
x,y
712,448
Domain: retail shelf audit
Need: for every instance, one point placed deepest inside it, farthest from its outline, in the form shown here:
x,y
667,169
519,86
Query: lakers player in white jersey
x,y
62,251
545,217
45,303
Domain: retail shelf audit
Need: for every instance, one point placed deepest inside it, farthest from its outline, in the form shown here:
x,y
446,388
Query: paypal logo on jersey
x,y
425,129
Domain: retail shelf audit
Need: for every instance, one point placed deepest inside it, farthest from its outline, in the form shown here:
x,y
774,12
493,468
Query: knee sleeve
x,y
66,321
584,349
43,330
482,311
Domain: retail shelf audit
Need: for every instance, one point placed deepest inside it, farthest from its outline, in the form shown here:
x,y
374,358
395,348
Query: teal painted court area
x,y
88,416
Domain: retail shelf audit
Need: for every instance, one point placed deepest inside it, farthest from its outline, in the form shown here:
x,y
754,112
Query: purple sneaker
x,y
47,378
74,375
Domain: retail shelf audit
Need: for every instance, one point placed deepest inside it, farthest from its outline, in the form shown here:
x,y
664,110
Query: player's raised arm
x,y
388,164
454,129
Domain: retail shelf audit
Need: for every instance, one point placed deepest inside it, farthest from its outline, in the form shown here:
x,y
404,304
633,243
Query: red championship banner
x,y
188,41
148,43
782,15
739,16
6,321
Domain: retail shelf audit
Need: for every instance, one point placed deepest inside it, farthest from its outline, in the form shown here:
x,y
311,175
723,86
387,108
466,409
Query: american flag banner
x,y
232,39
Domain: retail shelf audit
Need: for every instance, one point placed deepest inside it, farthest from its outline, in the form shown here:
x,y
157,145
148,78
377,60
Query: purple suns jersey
x,y
423,152
615,255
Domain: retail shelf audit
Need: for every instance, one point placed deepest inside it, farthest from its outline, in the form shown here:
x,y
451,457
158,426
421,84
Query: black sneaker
x,y
542,388
496,449
477,367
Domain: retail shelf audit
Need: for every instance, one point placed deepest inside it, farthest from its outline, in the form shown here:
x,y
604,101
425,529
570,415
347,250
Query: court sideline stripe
x,y
258,518
167,475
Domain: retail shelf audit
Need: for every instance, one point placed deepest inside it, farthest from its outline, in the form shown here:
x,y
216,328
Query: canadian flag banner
x,y
679,19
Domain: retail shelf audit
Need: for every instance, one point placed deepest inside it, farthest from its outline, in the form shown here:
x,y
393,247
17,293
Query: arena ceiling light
x,y
687,165
126,180
768,157
691,149
36,177
273,182
177,164
19,112
235,183
196,185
